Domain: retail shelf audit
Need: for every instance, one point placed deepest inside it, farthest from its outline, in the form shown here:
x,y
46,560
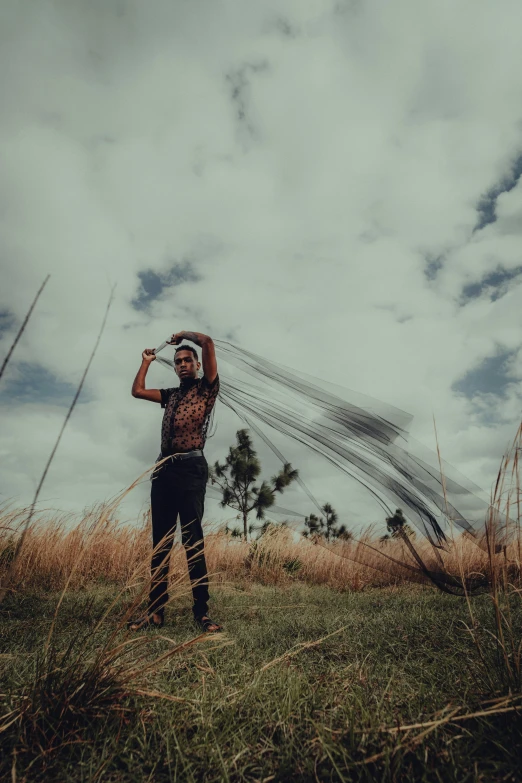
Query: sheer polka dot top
x,y
187,413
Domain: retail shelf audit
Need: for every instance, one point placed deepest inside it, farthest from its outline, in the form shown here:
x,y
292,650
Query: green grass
x,y
317,714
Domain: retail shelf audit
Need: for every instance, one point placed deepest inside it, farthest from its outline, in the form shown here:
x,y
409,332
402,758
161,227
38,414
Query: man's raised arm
x,y
208,354
138,387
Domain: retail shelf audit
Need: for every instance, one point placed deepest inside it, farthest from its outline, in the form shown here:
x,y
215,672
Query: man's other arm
x,y
138,387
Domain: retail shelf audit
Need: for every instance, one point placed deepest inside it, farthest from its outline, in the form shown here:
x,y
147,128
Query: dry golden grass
x,y
96,548
63,551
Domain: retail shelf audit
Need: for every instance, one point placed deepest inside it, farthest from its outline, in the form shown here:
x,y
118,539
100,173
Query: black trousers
x,y
178,487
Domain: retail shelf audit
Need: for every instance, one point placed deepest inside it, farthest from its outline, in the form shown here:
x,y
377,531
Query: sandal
x,y
205,623
145,623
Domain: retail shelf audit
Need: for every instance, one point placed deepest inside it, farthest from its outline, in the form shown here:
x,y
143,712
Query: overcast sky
x,y
335,185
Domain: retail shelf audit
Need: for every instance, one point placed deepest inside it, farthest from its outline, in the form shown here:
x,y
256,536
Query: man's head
x,y
186,362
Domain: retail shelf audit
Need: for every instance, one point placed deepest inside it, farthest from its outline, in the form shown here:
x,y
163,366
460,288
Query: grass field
x,y
336,663
307,684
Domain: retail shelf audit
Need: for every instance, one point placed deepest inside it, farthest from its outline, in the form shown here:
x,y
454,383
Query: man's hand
x,y
194,337
177,338
206,344
148,355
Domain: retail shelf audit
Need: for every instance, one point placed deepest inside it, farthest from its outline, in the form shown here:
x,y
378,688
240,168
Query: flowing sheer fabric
x,y
366,440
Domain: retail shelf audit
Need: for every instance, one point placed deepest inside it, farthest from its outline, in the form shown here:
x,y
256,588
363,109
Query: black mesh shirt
x,y
187,413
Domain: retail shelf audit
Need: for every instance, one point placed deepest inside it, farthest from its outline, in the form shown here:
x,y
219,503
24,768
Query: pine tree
x,y
326,527
343,533
397,526
329,521
314,525
236,479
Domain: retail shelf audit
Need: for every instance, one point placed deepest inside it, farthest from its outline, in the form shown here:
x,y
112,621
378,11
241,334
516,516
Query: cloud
x,y
494,284
487,204
490,377
154,285
6,321
33,383
315,181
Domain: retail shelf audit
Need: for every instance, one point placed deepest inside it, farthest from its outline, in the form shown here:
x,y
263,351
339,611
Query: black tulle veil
x,y
365,439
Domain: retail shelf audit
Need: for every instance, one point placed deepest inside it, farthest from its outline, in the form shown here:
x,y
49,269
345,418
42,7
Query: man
x,y
179,484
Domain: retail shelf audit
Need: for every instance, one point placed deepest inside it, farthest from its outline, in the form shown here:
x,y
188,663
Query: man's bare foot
x,y
153,620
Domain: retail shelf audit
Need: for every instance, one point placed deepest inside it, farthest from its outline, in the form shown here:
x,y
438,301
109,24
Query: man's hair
x,y
186,348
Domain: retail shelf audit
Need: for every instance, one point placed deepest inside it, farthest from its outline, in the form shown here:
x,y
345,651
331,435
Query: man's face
x,y
186,365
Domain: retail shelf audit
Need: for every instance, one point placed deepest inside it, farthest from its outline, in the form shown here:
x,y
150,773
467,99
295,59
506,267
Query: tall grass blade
x,y
22,328
3,590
